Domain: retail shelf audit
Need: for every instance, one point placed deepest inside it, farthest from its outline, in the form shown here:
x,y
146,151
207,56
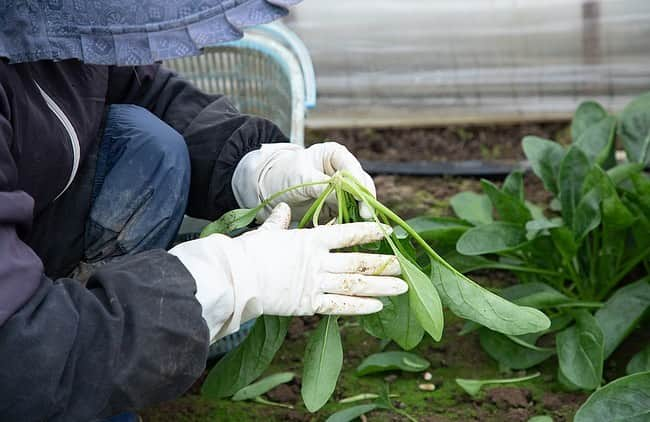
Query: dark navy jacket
x,y
133,335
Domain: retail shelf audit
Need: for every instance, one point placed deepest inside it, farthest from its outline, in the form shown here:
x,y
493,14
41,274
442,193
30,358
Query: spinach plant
x,y
405,319
578,259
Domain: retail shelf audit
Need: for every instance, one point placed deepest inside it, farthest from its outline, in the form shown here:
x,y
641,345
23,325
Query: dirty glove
x,y
276,167
276,271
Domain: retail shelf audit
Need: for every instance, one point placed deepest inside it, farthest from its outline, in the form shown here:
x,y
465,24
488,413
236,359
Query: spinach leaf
x,y
534,294
623,172
468,300
587,215
231,221
388,361
472,207
510,208
625,400
510,354
322,363
586,115
351,413
634,129
395,322
424,300
580,351
466,263
436,231
247,362
639,362
262,386
597,142
473,387
573,170
545,157
622,312
615,214
492,238
541,418
514,185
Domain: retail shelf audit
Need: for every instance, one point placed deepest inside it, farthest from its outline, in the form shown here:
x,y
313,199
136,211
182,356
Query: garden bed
x,y
456,356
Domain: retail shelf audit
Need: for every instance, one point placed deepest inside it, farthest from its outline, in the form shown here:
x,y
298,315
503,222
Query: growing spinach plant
x,y
432,282
574,260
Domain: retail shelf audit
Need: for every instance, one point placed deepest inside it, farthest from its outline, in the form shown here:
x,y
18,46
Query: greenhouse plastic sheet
x,y
382,62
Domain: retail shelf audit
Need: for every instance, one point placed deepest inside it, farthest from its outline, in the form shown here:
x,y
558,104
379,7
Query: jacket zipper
x,y
72,135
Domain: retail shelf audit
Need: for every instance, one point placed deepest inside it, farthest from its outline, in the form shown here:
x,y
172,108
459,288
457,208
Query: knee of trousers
x,y
152,141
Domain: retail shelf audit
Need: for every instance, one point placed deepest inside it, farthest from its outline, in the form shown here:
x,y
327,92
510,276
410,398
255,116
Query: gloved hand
x,y
276,167
276,271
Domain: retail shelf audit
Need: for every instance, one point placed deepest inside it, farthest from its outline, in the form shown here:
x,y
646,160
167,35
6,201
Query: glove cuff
x,y
225,284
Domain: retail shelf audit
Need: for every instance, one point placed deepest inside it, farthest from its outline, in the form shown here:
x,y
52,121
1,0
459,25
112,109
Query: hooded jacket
x,y
133,335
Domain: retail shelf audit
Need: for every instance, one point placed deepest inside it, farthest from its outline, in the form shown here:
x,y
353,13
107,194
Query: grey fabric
x,y
126,32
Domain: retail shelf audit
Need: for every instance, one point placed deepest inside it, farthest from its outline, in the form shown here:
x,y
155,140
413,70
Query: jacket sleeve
x,y
217,134
131,337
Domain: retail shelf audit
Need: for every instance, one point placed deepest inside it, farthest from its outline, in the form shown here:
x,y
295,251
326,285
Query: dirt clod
x,y
283,393
296,328
556,401
517,415
507,397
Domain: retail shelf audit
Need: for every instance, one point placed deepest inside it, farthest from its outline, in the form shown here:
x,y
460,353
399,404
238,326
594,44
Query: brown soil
x,y
494,142
507,397
284,393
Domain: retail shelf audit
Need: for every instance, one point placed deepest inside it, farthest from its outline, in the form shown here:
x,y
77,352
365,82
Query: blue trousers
x,y
141,185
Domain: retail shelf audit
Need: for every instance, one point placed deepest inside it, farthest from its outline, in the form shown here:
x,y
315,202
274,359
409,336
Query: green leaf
x,y
626,399
351,413
587,215
510,208
586,115
472,207
466,263
623,172
544,224
389,361
541,418
395,322
262,386
322,364
424,300
534,294
230,221
491,238
514,185
564,241
622,312
473,387
634,129
436,231
573,170
639,362
468,300
597,142
580,351
511,355
615,214
247,362
545,157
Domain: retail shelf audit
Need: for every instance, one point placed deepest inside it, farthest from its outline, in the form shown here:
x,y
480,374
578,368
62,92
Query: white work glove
x,y
276,271
275,167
